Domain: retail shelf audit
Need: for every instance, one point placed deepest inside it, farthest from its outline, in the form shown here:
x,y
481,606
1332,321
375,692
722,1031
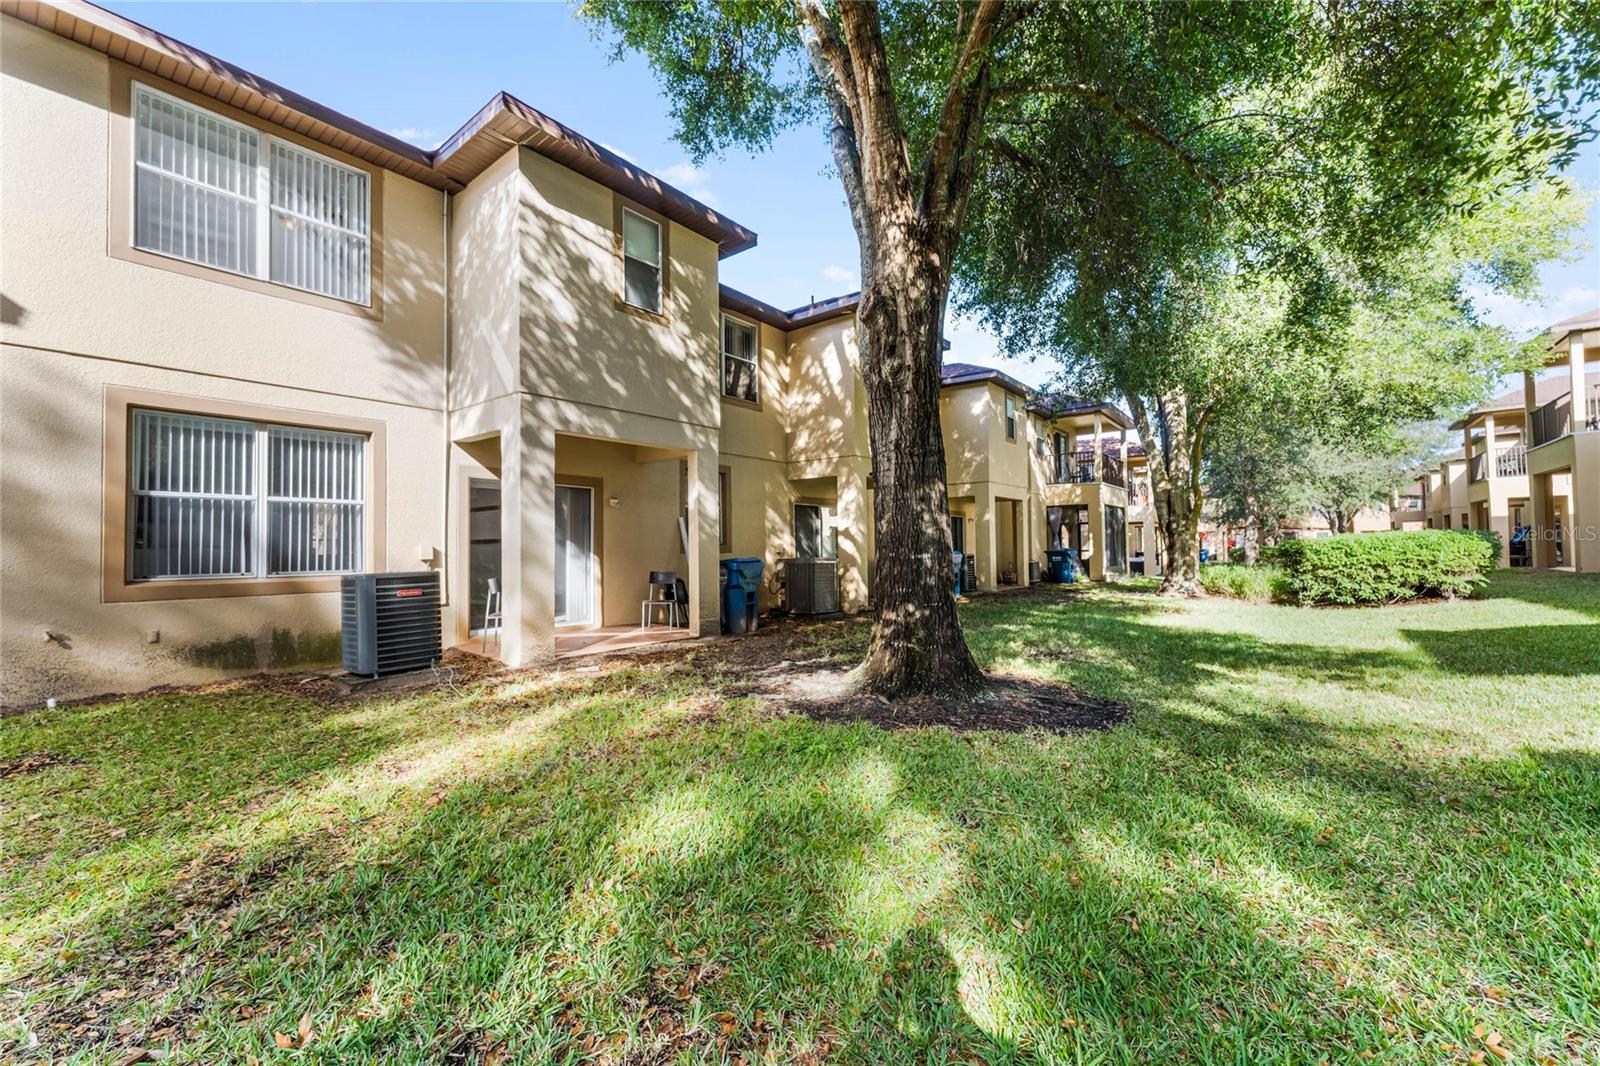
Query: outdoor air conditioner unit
x,y
811,586
1033,571
390,622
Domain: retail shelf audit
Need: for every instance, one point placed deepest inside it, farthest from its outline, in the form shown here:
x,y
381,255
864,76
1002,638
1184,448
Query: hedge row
x,y
1387,567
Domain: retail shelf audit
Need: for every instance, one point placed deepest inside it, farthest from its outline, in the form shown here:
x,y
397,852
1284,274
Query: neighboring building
x,y
1444,493
1494,446
1563,454
1409,506
1084,499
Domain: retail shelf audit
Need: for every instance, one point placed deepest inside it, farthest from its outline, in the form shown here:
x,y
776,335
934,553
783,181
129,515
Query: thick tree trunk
x,y
909,225
917,644
1174,486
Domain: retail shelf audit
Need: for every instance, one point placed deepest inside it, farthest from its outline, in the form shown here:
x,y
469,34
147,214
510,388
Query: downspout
x,y
444,561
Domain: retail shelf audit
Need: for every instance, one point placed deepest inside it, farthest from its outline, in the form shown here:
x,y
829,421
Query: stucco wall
x,y
78,320
577,343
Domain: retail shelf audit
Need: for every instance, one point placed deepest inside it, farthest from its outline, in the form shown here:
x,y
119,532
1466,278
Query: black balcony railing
x,y
1112,472
1512,462
1081,472
1068,472
1554,420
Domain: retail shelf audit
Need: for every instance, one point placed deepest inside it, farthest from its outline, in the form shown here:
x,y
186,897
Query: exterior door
x,y
574,563
483,547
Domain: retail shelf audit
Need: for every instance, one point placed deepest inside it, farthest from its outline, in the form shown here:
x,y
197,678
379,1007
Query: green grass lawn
x,y
1325,836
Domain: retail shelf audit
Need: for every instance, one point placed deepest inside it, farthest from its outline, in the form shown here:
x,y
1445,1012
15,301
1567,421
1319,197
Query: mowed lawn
x,y
1324,836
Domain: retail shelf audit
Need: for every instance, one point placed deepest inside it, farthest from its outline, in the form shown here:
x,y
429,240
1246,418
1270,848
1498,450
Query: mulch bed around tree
x,y
1009,704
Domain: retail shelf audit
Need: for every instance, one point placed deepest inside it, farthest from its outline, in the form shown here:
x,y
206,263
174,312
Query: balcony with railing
x,y
1412,503
1554,420
1112,471
1511,462
1067,471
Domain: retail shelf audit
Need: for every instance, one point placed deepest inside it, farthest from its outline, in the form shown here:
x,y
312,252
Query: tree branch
x,y
1107,99
957,122
830,61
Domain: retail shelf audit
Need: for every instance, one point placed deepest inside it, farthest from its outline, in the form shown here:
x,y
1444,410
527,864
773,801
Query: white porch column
x,y
1580,400
705,608
1099,428
528,538
1530,404
853,527
1488,447
983,534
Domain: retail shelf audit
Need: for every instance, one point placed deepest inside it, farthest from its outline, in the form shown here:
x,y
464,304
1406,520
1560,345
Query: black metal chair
x,y
666,590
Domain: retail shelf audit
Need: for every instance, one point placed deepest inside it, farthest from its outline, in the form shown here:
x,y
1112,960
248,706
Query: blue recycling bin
x,y
956,559
1063,564
741,594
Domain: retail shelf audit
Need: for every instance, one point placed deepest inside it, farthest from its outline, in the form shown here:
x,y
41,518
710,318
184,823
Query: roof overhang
x,y
500,124
1560,334
811,314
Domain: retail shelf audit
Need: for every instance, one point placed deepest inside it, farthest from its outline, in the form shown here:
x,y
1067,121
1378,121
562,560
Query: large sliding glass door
x,y
574,563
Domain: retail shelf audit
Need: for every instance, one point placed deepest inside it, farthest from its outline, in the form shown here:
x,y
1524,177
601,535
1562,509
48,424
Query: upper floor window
x,y
215,497
1011,417
221,194
740,362
641,261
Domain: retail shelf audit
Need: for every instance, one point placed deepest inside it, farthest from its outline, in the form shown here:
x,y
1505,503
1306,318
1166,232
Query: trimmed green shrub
x,y
1387,567
1243,582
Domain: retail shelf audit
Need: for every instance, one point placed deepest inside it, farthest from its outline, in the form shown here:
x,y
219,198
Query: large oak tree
x,y
925,102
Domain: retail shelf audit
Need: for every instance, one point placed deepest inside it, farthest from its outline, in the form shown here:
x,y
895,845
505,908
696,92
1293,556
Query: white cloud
x,y
618,151
839,275
691,179
426,138
1530,316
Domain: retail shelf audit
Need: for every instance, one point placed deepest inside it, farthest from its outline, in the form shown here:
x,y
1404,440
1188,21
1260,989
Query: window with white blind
x,y
219,193
739,361
214,497
641,261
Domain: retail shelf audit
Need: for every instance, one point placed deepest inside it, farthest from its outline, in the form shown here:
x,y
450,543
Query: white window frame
x,y
661,271
1011,417
261,494
263,198
754,360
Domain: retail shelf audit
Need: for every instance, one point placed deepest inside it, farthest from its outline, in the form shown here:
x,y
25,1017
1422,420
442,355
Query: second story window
x,y
218,193
641,261
740,362
1011,417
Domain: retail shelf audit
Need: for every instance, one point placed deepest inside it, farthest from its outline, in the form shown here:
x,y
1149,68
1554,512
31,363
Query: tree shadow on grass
x,y
1513,651
648,869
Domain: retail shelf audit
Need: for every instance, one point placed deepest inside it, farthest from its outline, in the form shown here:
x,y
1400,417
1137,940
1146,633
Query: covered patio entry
x,y
571,537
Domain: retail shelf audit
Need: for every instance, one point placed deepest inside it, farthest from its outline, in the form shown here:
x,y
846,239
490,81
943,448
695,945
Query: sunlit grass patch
x,y
1322,833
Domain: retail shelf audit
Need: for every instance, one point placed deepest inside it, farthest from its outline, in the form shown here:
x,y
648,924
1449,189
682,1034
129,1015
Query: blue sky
x,y
421,70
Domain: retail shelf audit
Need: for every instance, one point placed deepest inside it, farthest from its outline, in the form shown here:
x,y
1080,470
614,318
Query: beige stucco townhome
x,y
1494,444
1562,409
250,344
